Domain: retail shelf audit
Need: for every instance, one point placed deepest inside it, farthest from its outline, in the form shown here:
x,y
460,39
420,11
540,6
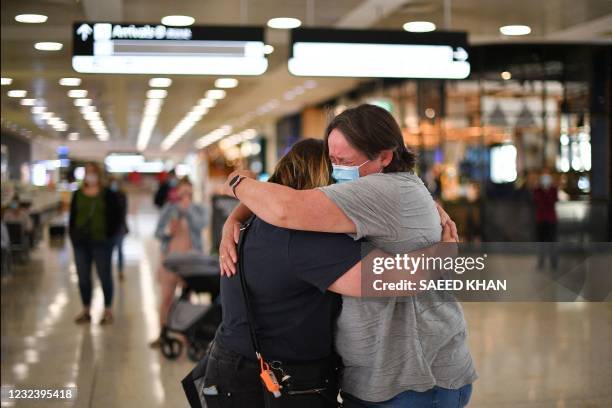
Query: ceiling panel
x,y
120,99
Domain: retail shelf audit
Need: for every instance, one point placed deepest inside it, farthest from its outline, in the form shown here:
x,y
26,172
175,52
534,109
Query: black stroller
x,y
197,322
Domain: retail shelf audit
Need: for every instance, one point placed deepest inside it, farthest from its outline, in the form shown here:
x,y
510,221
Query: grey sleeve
x,y
370,202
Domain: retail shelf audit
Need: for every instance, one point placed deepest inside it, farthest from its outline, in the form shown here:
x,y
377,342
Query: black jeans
x,y
85,254
546,235
232,381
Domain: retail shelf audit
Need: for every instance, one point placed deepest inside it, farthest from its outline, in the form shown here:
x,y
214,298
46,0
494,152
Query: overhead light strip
x,y
193,117
149,120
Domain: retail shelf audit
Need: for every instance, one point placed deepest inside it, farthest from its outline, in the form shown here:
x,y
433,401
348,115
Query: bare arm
x,y
349,284
229,238
306,210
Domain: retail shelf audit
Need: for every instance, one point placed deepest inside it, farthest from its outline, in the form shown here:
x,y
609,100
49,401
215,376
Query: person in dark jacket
x,y
95,219
122,202
164,192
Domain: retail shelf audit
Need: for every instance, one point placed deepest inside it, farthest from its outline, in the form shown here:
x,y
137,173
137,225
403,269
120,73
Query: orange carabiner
x,y
269,379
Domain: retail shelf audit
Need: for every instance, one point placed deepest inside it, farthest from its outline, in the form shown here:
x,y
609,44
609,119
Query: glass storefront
x,y
484,141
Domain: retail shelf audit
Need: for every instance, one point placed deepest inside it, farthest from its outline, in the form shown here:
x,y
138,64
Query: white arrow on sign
x,y
461,54
84,31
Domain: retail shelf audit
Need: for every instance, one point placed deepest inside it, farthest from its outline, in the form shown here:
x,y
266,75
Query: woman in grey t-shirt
x,y
399,351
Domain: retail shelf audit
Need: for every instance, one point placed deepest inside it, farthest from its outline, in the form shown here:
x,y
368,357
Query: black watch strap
x,y
234,183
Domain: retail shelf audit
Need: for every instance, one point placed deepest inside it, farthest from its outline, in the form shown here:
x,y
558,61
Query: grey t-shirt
x,y
393,345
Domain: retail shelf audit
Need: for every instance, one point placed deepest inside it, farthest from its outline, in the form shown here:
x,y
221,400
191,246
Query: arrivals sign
x,y
378,54
100,47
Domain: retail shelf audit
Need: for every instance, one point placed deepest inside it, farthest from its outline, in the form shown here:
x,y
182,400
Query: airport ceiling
x,y
120,98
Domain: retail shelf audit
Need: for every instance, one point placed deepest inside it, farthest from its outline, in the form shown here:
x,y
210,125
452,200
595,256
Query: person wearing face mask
x,y
396,352
122,203
95,221
180,230
544,200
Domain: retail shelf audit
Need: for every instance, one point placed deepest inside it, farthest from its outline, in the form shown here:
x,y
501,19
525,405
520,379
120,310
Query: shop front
x,y
484,142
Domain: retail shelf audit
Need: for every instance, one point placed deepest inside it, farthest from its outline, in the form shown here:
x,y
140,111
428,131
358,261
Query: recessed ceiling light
x,y
91,116
28,102
77,93
88,109
70,81
226,83
207,102
82,102
157,93
160,82
178,21
310,84
73,136
268,49
7,81
48,46
200,110
31,18
419,26
515,30
215,94
506,75
284,23
17,93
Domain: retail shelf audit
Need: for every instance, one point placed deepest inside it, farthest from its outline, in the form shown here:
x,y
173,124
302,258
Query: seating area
x,y
24,223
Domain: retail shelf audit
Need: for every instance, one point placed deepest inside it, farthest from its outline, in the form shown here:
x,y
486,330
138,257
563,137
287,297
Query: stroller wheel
x,y
196,352
171,348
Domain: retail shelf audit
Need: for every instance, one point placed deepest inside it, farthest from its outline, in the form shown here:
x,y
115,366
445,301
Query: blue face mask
x,y
343,174
173,182
14,205
114,187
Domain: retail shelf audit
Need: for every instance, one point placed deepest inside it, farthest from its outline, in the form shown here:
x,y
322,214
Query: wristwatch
x,y
234,183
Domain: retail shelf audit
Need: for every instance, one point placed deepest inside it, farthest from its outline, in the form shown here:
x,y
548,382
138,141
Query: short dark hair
x,y
371,129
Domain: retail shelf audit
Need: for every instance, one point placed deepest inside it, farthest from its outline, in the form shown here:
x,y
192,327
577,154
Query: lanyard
x,y
266,374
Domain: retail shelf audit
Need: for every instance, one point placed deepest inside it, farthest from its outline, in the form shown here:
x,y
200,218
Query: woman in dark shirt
x,y
288,274
95,219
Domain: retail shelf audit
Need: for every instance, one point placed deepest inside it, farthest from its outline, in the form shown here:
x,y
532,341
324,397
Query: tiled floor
x,y
527,354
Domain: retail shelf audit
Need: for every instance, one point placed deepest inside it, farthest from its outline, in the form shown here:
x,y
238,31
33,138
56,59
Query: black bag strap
x,y
245,290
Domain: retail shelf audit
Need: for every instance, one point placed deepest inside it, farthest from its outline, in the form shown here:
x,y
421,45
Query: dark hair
x,y
371,129
305,166
185,181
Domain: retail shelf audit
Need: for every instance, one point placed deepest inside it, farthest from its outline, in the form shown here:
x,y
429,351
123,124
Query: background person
x,y
180,230
545,197
115,186
165,189
95,220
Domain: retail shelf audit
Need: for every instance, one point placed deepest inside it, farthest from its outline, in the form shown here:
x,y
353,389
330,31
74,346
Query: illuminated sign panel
x,y
158,49
378,54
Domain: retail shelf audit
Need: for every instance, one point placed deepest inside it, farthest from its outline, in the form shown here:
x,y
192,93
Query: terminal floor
x,y
527,354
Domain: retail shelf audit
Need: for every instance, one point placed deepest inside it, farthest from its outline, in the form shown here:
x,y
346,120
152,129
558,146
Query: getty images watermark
x,y
429,265
490,272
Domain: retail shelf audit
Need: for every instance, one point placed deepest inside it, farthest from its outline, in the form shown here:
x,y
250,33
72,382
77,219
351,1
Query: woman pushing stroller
x,y
179,229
